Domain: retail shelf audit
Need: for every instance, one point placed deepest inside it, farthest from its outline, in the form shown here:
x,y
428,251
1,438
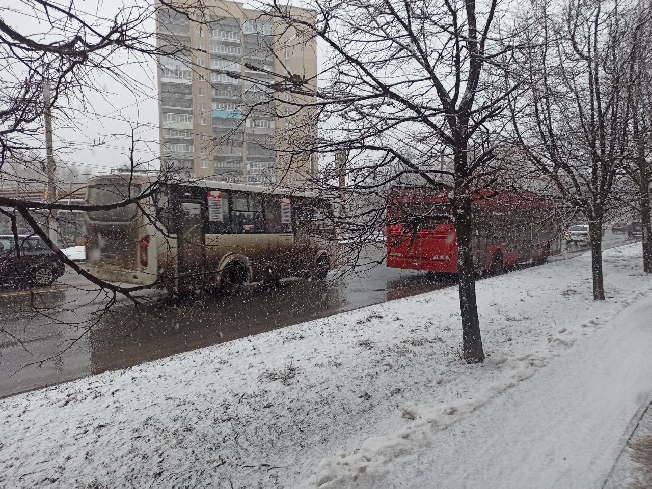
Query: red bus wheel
x,y
497,266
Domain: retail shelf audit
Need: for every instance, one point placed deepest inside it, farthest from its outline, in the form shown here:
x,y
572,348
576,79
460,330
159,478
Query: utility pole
x,y
50,165
340,172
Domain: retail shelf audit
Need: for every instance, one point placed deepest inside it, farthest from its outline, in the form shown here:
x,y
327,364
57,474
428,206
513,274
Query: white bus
x,y
207,235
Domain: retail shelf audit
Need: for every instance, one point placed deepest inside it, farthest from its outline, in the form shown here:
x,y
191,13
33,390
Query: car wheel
x,y
43,276
497,266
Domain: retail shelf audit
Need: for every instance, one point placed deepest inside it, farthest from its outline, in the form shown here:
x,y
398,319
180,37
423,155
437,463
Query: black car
x,y
34,264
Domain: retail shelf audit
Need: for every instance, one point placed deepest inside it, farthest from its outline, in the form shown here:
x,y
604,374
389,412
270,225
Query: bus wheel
x,y
233,276
497,264
322,266
435,276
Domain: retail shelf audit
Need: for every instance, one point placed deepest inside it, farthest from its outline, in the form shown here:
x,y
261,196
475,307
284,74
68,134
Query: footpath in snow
x,y
377,397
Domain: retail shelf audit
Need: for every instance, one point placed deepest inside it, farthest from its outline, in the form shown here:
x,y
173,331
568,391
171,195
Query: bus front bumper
x,y
427,264
120,275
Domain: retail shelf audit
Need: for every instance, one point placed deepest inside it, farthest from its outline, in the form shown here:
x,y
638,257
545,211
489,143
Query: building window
x,y
180,148
260,123
201,92
203,137
204,164
201,32
178,117
223,77
230,106
202,47
287,54
225,64
231,36
175,133
224,49
202,107
228,93
257,27
202,120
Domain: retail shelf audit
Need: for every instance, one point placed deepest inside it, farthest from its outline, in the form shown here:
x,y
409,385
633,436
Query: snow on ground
x,y
75,253
377,397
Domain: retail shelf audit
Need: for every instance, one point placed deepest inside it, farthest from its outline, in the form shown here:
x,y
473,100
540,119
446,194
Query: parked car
x,y
34,265
619,227
579,233
635,230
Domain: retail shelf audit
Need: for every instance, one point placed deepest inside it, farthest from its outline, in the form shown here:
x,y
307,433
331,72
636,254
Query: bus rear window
x,y
112,193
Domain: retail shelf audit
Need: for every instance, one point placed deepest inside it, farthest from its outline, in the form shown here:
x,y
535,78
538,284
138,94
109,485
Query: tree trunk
x,y
645,216
595,235
471,340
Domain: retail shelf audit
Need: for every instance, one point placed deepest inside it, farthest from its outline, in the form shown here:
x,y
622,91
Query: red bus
x,y
509,228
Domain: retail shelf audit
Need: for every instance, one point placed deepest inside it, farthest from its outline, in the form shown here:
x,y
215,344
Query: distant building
x,y
234,127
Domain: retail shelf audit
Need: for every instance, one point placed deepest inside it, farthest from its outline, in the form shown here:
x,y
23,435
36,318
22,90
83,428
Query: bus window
x,y
218,211
112,193
273,215
163,209
416,216
313,217
247,213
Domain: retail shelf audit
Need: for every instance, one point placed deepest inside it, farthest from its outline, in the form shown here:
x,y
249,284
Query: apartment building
x,y
227,110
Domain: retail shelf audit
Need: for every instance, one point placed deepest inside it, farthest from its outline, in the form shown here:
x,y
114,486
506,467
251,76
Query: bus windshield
x,y
421,215
112,193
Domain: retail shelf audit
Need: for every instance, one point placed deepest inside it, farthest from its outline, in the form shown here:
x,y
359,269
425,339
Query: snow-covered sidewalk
x,y
376,397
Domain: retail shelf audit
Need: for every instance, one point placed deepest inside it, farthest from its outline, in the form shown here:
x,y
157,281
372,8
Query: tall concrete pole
x,y
50,165
340,171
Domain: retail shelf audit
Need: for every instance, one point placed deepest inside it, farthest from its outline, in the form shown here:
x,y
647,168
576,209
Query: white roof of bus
x,y
137,178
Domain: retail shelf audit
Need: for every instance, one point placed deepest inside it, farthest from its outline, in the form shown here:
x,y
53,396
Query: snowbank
x,y
354,400
75,253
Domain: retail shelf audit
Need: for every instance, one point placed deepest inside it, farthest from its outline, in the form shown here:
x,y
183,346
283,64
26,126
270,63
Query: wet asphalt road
x,y
66,332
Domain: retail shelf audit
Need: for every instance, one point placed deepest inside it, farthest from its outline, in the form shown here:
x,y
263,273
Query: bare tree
x,y
72,51
409,95
572,121
640,101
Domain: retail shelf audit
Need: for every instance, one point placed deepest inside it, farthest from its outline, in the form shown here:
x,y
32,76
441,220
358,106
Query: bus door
x,y
482,228
479,249
191,219
282,257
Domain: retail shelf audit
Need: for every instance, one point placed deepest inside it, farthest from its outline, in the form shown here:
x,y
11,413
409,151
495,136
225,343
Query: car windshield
x,y
579,228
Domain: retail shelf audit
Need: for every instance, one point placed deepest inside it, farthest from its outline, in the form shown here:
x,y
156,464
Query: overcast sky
x,y
98,136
